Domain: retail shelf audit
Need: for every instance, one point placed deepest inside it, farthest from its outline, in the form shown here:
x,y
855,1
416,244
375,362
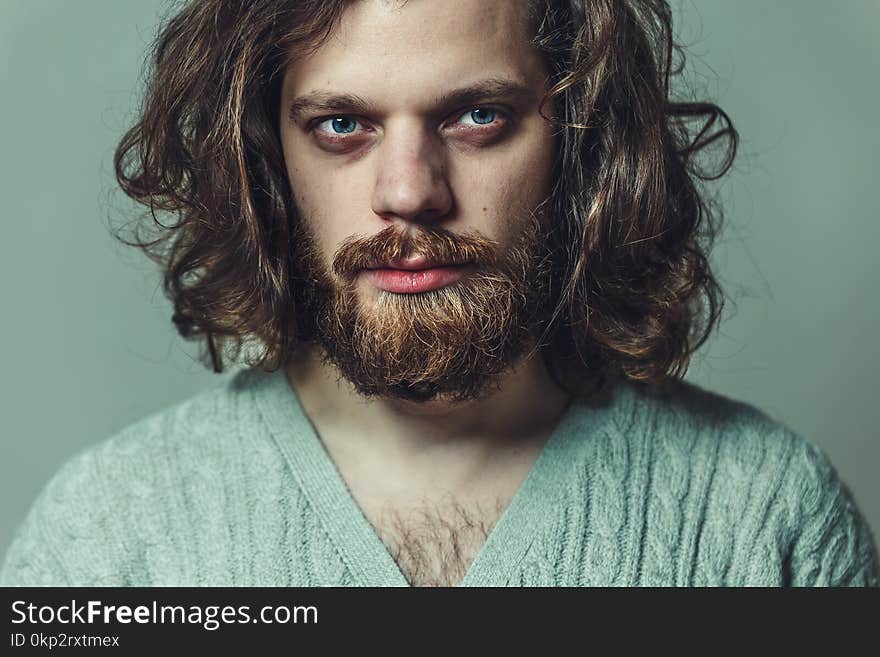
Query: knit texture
x,y
639,486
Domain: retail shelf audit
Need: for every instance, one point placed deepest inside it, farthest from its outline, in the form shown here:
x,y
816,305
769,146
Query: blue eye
x,y
482,116
341,125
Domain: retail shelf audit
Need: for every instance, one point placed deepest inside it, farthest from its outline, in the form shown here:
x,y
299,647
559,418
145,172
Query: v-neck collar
x,y
351,532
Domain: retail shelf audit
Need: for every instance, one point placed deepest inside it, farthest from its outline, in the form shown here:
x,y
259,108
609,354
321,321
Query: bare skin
x,y
435,468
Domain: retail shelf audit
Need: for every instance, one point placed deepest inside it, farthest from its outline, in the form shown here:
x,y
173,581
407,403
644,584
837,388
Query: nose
x,y
411,183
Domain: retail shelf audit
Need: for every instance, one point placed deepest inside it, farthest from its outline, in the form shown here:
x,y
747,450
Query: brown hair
x,y
635,295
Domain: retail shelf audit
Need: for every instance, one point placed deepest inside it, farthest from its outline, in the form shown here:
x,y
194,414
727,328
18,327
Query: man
x,y
458,243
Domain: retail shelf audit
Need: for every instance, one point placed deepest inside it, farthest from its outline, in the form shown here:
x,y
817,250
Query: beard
x,y
451,343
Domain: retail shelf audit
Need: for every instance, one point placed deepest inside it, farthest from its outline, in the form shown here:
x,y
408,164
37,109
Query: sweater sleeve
x,y
832,543
66,538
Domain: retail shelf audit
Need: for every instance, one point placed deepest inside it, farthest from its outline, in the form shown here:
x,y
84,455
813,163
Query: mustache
x,y
433,242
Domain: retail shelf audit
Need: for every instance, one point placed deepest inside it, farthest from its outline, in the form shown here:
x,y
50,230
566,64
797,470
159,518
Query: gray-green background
x,y
88,346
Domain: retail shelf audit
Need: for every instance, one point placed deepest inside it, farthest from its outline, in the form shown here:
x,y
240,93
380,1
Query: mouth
x,y
414,275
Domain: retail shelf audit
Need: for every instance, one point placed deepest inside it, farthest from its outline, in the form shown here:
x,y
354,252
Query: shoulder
x,y
680,419
771,498
199,431
130,482
683,403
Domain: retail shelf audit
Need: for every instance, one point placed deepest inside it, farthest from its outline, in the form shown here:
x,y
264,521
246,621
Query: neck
x,y
516,417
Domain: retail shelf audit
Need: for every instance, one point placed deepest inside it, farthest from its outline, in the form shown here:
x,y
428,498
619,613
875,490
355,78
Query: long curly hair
x,y
635,294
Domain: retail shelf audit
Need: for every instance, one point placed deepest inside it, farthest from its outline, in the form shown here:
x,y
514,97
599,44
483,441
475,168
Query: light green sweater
x,y
679,487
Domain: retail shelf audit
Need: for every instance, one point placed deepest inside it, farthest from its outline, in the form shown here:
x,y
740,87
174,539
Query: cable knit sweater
x,y
671,486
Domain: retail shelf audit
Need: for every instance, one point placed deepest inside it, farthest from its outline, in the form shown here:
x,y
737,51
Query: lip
x,y
415,263
411,279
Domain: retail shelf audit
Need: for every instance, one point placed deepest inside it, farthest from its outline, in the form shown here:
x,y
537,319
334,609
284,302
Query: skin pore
x,y
419,118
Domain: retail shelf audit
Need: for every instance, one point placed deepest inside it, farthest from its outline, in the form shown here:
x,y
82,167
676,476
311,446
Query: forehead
x,y
404,53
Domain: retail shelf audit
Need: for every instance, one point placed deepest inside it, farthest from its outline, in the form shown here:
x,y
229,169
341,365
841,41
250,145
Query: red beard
x,y
453,342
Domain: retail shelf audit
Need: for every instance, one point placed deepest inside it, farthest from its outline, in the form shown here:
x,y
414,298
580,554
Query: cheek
x,y
500,203
323,208
534,170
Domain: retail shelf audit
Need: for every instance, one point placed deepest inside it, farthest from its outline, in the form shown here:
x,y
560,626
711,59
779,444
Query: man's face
x,y
421,240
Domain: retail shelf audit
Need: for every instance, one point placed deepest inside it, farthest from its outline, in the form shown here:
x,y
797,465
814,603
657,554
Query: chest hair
x,y
434,544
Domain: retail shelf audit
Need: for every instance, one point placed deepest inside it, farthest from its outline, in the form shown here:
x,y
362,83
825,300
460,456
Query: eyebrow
x,y
480,92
